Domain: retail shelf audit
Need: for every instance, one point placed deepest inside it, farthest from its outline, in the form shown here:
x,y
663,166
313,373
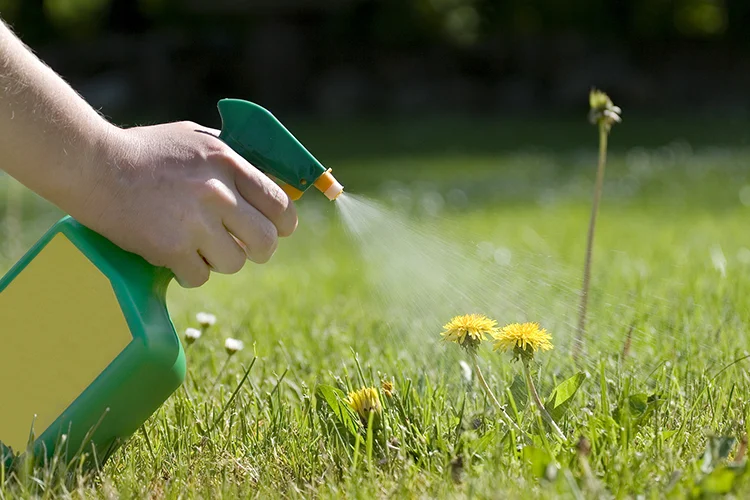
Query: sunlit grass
x,y
673,281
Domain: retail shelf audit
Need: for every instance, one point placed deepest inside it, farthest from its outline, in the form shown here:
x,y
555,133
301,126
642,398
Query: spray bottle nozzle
x,y
262,140
329,186
326,184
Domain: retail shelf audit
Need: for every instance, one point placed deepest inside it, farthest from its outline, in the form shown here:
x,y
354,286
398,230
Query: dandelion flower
x,y
387,387
364,402
233,346
468,330
191,335
523,338
205,319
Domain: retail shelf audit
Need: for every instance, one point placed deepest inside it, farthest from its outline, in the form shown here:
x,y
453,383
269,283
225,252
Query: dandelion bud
x,y
232,346
365,401
387,387
206,320
191,335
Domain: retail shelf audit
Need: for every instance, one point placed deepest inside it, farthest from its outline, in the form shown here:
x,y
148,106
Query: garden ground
x,y
662,407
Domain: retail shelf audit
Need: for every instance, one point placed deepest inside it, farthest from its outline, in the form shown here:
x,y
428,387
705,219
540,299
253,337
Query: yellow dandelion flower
x,y
365,401
468,330
387,387
522,338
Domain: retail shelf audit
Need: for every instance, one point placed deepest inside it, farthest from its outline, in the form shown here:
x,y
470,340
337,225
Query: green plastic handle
x,y
262,140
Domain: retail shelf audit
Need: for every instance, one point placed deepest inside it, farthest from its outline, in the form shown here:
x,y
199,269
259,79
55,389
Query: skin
x,y
172,193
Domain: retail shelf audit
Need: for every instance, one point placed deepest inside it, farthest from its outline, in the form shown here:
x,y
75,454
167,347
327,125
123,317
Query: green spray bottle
x,y
87,346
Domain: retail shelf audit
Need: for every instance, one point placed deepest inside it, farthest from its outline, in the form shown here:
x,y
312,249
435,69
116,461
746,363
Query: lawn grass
x,y
665,371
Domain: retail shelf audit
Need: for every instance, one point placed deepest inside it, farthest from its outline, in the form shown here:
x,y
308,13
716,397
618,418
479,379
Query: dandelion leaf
x,y
717,450
637,408
334,399
562,395
721,480
538,459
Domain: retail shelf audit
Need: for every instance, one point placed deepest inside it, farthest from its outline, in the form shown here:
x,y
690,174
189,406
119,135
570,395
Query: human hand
x,y
179,197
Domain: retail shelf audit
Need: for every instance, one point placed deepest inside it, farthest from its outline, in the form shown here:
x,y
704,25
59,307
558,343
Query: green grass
x,y
671,266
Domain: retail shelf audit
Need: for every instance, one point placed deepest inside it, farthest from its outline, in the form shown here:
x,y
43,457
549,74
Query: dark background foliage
x,y
170,59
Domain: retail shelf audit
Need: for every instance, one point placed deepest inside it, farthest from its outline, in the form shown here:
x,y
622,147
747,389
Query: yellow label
x,y
60,327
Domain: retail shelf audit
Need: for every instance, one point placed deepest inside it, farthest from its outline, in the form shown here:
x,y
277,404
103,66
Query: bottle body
x,y
86,343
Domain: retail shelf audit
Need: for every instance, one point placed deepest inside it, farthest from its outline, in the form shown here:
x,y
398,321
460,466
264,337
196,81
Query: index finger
x,y
265,195
261,191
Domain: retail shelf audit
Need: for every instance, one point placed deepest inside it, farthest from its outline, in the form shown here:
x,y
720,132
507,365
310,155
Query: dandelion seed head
x,y
233,346
191,335
205,319
603,111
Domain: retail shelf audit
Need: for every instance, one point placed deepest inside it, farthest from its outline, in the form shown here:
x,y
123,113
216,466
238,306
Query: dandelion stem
x,y
490,395
578,347
221,372
537,400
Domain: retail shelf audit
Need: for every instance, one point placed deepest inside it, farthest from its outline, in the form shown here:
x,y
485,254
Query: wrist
x,y
101,154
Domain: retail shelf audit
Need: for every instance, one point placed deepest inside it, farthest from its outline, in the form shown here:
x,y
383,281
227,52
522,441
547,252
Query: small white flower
x,y
191,335
233,345
205,319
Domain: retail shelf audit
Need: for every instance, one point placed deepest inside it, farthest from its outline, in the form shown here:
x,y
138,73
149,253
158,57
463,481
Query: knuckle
x,y
289,223
279,201
267,241
188,124
215,190
171,247
196,278
233,262
237,262
200,276
203,277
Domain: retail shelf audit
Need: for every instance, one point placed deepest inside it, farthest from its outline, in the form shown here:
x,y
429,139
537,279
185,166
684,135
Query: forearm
x,y
50,137
173,193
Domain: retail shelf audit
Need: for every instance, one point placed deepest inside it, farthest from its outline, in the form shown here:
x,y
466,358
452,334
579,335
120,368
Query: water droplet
x,y
745,195
718,260
432,203
503,256
485,250
457,197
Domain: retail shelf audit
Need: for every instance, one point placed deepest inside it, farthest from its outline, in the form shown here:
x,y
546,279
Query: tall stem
x,y
221,372
535,396
490,394
581,333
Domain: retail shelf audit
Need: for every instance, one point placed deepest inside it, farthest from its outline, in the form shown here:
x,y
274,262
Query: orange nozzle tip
x,y
329,186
